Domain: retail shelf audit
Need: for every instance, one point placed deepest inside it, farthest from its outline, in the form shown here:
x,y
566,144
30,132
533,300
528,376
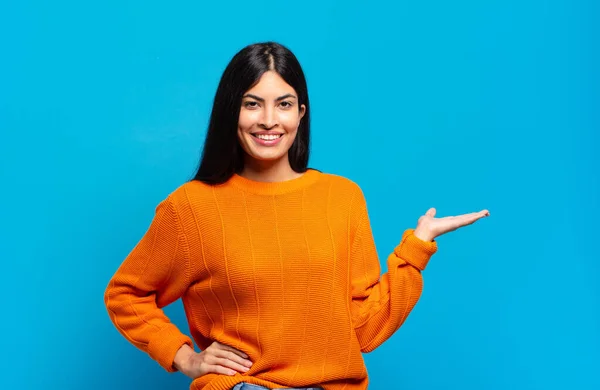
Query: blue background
x,y
459,105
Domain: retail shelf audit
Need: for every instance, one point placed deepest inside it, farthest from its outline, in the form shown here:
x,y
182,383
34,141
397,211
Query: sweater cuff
x,y
415,251
164,345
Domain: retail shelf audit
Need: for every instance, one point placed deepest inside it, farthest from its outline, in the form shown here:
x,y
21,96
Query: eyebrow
x,y
249,95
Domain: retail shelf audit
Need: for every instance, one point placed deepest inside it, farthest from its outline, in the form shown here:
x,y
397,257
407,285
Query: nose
x,y
268,119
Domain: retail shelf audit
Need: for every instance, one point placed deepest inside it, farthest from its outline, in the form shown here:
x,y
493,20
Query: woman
x,y
275,263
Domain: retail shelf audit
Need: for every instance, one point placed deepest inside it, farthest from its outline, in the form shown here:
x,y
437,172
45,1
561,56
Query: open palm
x,y
429,227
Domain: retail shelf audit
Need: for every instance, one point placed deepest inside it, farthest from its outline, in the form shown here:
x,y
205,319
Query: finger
x,y
231,349
468,219
430,212
482,214
229,364
220,370
233,357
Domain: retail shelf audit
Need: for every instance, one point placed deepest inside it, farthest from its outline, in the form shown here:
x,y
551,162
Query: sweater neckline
x,y
275,188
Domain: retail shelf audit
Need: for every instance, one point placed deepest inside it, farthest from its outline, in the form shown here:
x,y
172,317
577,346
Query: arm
x,y
152,276
381,303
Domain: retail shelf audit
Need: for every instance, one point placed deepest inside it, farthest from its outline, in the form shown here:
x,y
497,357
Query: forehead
x,y
271,83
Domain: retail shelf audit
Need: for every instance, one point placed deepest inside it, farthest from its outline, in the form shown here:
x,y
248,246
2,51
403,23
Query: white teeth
x,y
268,137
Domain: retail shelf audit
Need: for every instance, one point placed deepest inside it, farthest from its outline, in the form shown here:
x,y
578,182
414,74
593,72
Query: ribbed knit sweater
x,y
286,272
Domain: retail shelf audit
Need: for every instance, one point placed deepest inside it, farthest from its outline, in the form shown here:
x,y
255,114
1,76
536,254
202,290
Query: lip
x,y
264,142
266,132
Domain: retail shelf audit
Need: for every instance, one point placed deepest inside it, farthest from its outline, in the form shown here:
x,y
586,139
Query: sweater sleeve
x,y
153,275
381,303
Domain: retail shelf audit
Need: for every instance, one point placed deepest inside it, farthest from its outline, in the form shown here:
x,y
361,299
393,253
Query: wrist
x,y
182,357
423,236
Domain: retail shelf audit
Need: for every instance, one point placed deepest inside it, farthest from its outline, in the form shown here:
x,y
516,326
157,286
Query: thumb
x,y
430,212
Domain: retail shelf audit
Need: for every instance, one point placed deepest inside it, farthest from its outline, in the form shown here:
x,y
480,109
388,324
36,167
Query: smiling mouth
x,y
267,137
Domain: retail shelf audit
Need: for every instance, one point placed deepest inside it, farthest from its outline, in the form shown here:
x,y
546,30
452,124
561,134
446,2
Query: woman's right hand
x,y
217,358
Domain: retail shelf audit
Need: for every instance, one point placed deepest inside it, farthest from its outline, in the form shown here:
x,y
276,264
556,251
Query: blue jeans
x,y
248,386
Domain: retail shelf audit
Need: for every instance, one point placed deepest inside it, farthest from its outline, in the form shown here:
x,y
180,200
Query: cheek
x,y
246,120
290,122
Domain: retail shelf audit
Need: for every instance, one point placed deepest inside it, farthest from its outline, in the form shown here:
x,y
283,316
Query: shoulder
x,y
187,192
341,182
344,186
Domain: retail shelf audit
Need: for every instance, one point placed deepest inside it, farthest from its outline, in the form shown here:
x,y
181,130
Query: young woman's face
x,y
269,118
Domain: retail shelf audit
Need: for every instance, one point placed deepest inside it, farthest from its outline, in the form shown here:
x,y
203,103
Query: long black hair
x,y
222,154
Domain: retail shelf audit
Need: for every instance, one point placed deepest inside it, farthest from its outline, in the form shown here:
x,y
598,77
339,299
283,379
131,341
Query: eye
x,y
250,104
286,104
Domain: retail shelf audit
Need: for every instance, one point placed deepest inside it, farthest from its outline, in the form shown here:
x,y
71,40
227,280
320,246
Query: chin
x,y
264,157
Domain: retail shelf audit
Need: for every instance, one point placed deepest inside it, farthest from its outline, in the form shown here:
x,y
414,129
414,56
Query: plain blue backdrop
x,y
459,105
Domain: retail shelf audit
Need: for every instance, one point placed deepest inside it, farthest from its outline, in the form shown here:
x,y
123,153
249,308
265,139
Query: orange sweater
x,y
286,272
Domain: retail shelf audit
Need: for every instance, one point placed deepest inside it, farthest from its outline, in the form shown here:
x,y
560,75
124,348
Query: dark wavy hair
x,y
222,154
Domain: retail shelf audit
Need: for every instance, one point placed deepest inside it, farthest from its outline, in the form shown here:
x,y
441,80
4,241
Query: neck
x,y
269,171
